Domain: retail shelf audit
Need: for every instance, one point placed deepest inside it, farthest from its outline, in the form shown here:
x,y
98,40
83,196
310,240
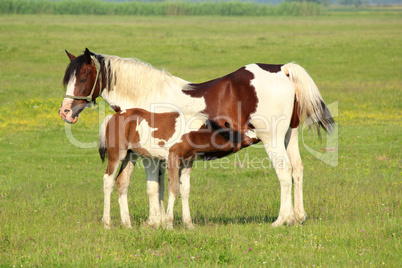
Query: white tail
x,y
102,138
311,104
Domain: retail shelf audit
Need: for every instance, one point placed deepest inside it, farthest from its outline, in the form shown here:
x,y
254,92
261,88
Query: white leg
x,y
152,172
185,195
283,169
162,191
173,177
297,166
169,210
108,183
123,181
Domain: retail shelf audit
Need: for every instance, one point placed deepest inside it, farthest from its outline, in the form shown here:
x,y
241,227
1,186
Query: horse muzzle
x,y
67,115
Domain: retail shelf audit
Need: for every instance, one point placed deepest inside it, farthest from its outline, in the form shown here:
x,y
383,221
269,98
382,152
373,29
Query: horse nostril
x,y
227,125
66,110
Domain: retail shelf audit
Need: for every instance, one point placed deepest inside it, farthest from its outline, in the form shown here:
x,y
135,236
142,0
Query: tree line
x,y
172,8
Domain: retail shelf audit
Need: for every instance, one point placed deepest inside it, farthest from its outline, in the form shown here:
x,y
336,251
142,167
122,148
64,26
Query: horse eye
x,y
227,125
83,80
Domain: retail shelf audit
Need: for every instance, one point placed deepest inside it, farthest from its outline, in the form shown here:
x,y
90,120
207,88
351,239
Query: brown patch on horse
x,y
211,155
208,144
220,94
272,68
294,121
164,123
161,143
116,108
173,165
204,139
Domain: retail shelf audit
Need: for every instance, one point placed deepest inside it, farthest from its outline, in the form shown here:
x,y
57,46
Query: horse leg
x,y
297,173
173,177
283,168
185,194
108,183
123,181
162,169
152,172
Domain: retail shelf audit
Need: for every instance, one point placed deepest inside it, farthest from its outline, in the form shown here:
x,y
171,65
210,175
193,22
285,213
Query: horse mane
x,y
134,78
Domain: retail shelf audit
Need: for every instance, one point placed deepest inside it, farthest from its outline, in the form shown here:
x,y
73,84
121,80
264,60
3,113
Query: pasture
x,y
51,190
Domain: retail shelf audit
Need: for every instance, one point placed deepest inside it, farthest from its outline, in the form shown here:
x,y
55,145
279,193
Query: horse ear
x,y
87,56
70,56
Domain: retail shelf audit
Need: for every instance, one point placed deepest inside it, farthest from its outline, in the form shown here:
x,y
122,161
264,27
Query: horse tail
x,y
102,138
311,105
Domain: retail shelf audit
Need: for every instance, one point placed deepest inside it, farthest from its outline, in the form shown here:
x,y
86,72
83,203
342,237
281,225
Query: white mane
x,y
137,81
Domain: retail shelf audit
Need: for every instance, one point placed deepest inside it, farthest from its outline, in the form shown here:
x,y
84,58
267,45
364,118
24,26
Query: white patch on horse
x,y
279,91
70,90
148,142
71,85
183,125
251,134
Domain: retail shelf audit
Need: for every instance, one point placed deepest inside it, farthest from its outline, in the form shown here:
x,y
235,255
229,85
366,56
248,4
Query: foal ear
x,y
70,56
87,56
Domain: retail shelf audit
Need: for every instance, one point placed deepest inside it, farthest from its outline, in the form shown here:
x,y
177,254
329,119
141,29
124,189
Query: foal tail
x,y
311,105
102,138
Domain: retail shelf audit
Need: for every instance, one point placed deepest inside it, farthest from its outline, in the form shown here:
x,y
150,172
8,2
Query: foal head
x,y
83,85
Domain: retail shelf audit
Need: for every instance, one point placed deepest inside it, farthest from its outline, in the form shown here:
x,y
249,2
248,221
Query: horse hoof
x,y
301,217
189,226
169,225
106,224
290,221
277,224
128,226
149,224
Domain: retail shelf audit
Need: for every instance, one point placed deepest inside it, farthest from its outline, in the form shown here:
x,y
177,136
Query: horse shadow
x,y
203,220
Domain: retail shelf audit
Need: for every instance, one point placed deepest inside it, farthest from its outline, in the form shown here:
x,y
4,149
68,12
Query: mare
x,y
258,102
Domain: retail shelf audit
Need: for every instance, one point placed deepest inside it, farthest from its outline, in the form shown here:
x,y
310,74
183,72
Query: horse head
x,y
83,85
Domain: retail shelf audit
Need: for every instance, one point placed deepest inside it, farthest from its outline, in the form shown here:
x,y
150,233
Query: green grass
x,y
51,196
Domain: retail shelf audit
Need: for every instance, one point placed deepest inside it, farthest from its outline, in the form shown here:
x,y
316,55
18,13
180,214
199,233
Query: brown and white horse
x,y
258,102
163,136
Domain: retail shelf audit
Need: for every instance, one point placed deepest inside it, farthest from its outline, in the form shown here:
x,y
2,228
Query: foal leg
x,y
108,183
123,181
152,172
185,194
173,177
297,174
162,168
281,163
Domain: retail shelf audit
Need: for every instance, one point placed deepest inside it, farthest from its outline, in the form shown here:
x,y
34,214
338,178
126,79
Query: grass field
x,y
51,191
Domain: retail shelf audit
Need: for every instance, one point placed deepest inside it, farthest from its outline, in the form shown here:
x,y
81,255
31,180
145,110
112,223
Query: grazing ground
x,y
51,196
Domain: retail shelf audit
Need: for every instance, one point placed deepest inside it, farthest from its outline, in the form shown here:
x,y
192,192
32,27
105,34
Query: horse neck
x,y
131,83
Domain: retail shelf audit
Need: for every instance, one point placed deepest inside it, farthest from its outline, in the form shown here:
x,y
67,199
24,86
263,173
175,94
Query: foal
x,y
170,136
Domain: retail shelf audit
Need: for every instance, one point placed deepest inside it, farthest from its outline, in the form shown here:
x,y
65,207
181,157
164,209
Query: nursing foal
x,y
169,136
